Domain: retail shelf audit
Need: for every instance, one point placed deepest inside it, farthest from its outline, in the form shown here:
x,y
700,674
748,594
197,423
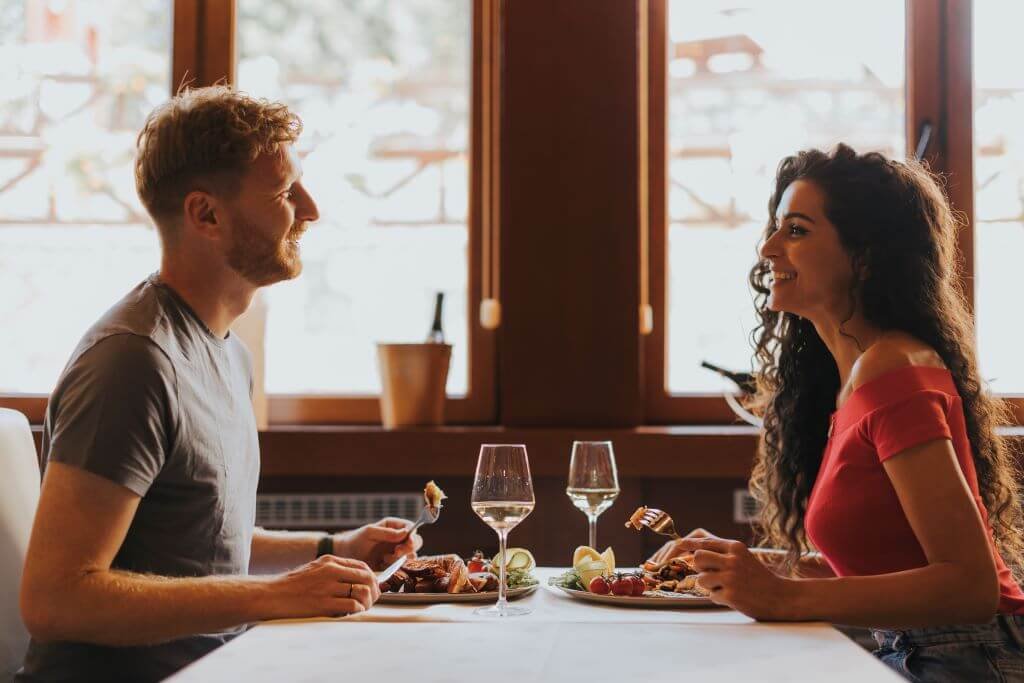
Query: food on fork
x,y
654,519
433,495
636,519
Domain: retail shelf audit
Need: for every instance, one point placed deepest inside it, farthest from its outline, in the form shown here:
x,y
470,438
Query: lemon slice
x,y
584,553
518,558
589,569
609,559
522,559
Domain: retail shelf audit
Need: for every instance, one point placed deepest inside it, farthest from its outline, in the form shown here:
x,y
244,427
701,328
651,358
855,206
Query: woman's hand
x,y
672,548
738,579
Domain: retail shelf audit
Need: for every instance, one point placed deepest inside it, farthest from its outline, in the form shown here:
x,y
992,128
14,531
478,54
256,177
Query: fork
x,y
657,521
428,515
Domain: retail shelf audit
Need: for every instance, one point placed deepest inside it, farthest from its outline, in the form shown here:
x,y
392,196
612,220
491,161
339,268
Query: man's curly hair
x,y
204,139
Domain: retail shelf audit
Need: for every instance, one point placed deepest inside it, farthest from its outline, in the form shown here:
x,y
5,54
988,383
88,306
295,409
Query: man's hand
x,y
380,544
328,586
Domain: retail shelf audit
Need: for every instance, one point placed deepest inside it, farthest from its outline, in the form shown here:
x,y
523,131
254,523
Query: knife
x,y
390,571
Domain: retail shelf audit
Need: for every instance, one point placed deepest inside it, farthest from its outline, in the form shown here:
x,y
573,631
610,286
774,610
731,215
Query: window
x,y
746,86
743,87
383,89
401,149
78,80
387,92
999,190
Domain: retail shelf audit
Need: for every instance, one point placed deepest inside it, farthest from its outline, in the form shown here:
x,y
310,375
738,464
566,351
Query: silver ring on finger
x,y
349,593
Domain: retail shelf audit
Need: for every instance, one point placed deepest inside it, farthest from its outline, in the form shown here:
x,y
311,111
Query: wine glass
x,y
593,480
502,497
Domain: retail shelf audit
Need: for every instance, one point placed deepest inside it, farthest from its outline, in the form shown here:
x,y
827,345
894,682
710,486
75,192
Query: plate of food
x,y
665,585
449,578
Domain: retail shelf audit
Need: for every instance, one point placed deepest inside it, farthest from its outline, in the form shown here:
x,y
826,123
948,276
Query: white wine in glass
x,y
502,515
593,481
592,502
502,497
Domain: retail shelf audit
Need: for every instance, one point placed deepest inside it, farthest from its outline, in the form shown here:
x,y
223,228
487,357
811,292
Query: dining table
x,y
562,639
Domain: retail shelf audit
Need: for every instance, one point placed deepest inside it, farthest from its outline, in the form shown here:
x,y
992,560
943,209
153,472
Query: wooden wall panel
x,y
568,345
452,451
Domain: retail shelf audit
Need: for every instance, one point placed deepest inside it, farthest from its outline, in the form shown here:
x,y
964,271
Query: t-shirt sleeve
x,y
115,412
908,422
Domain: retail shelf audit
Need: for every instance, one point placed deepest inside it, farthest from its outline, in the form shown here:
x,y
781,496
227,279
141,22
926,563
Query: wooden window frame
x,y
204,49
661,407
939,89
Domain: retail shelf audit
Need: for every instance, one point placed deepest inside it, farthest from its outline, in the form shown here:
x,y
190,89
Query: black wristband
x,y
325,546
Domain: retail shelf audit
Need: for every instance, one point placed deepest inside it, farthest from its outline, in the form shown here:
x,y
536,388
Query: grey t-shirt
x,y
151,399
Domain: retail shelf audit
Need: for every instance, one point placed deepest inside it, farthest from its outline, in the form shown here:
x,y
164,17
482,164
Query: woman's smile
x,y
780,277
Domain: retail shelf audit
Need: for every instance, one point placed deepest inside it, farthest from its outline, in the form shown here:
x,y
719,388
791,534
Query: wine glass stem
x,y
502,590
592,519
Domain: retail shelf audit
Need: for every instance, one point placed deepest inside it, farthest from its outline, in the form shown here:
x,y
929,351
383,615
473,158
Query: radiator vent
x,y
333,510
744,507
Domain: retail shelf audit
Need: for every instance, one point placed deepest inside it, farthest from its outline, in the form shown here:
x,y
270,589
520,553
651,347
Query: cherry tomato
x,y
475,566
622,586
638,586
598,585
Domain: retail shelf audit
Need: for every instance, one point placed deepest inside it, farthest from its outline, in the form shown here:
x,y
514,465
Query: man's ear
x,y
201,213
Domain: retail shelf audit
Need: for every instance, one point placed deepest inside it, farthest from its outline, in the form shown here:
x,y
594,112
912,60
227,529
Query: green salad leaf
x,y
519,578
569,579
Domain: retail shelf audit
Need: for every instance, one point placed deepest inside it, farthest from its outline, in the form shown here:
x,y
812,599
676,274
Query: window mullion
x,y
959,152
939,92
203,51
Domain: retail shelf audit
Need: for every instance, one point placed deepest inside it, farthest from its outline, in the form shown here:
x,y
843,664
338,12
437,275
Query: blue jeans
x,y
970,653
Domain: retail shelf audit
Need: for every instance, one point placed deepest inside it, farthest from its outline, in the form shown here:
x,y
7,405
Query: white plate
x,y
651,599
431,598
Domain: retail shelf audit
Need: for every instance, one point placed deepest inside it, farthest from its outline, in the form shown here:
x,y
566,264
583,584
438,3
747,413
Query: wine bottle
x,y
745,381
436,335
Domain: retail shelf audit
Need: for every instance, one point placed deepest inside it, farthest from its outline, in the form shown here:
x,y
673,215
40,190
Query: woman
x,y
879,447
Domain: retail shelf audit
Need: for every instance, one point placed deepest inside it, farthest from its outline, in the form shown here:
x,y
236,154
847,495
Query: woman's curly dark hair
x,y
896,225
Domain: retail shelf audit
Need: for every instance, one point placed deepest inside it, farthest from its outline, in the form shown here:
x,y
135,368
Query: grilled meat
x,y
435,574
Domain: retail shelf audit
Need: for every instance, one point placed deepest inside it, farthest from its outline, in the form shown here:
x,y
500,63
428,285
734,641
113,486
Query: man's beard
x,y
262,260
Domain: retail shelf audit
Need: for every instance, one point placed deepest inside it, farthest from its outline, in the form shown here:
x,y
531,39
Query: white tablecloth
x,y
563,640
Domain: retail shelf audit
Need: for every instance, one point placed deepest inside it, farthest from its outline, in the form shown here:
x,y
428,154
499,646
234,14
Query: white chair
x,y
19,494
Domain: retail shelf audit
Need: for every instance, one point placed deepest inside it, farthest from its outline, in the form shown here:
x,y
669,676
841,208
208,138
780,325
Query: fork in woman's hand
x,y
654,519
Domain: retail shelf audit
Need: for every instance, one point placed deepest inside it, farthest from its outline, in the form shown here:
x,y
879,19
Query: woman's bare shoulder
x,y
892,351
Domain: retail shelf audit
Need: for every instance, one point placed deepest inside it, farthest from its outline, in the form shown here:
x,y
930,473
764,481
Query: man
x,y
143,541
